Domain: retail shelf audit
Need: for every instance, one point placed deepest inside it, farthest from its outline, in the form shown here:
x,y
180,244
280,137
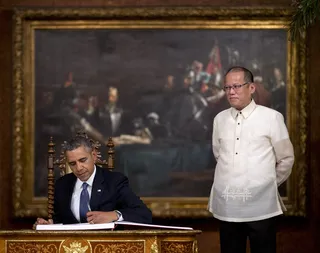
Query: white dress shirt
x,y
254,156
75,200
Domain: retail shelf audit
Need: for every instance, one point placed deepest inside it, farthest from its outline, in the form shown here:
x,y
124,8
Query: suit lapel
x,y
97,189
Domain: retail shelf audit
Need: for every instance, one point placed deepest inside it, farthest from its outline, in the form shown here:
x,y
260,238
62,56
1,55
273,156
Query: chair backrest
x,y
61,163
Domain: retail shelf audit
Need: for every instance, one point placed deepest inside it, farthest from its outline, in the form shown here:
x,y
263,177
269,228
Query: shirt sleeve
x,y
283,149
120,217
215,140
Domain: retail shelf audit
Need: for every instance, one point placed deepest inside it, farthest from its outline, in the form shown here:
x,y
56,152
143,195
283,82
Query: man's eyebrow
x,y
79,159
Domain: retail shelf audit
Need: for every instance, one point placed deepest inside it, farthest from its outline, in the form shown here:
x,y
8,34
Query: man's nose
x,y
78,167
231,91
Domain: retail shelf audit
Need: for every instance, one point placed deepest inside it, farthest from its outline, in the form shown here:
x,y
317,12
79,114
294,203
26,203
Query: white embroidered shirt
x,y
254,156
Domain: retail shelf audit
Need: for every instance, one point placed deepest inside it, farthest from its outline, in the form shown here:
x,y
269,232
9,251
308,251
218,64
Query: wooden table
x,y
129,241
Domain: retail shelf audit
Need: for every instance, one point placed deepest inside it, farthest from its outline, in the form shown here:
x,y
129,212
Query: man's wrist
x,y
118,214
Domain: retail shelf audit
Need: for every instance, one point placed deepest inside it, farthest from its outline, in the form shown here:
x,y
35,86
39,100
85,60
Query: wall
x,y
295,235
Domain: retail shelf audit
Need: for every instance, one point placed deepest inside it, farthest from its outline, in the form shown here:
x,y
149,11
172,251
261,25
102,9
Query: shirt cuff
x,y
119,215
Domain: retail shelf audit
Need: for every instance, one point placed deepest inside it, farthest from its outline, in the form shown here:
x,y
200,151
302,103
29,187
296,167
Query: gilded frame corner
x,y
26,205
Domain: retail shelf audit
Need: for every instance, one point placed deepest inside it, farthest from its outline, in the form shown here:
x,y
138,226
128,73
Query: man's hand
x,y
96,217
41,221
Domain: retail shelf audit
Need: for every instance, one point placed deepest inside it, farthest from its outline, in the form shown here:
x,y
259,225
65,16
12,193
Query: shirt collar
x,y
245,111
89,181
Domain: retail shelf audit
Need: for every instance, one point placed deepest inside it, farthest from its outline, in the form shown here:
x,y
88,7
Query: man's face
x,y
112,98
241,97
81,162
187,82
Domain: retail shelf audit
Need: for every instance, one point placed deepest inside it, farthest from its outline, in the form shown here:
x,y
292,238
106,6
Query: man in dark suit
x,y
93,194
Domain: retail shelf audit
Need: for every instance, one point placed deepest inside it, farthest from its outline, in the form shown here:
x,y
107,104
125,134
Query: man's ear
x,y
252,87
95,155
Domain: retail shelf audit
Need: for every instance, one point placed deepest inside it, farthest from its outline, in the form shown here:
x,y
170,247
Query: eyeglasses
x,y
234,87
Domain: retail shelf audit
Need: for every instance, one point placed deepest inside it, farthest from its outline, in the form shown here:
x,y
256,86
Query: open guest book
x,y
111,225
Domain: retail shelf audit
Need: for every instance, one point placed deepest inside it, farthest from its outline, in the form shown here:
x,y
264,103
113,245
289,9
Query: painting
x,y
152,79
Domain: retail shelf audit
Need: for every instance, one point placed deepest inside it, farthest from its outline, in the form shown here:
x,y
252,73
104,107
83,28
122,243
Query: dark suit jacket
x,y
110,191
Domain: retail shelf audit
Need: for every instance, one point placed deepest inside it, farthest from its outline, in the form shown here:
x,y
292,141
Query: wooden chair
x,y
60,162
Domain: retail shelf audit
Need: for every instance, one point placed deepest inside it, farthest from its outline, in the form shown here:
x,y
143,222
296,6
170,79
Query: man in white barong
x,y
254,157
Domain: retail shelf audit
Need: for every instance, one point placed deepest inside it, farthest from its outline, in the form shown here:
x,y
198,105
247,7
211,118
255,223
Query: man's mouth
x,y
82,174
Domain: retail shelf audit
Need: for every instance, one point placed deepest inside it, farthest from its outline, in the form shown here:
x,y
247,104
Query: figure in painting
x,y
111,115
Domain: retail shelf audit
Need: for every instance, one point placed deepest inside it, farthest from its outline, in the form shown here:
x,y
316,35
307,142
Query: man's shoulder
x,y
223,114
66,179
222,117
267,110
112,175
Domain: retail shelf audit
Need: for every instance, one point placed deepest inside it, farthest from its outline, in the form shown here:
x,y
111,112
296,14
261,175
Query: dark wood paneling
x,y
313,78
295,235
5,119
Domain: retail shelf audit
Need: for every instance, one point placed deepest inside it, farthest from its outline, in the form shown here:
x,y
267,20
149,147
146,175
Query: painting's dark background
x,y
295,235
142,59
137,63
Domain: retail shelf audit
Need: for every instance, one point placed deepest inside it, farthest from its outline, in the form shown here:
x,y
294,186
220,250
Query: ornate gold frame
x,y
26,20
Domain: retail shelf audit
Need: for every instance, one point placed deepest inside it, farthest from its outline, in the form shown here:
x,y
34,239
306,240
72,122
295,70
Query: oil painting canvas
x,y
155,92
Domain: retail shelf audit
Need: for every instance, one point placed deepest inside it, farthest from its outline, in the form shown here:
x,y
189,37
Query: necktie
x,y
84,203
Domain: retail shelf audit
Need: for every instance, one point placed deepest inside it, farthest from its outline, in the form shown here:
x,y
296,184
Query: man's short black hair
x,y
248,76
77,142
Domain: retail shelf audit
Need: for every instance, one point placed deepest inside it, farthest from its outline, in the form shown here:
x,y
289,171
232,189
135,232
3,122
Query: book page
x,y
77,226
87,226
150,225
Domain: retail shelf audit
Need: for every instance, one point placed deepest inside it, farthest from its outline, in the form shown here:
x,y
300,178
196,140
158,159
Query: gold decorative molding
x,y
150,13
18,124
134,247
26,21
104,233
154,247
299,119
37,246
90,242
75,245
195,246
302,168
177,246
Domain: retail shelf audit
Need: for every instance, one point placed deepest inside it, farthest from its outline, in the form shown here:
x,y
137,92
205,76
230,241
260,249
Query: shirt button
x,y
238,123
240,112
237,138
236,153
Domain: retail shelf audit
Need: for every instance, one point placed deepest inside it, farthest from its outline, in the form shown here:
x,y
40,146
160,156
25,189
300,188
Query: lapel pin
x,y
99,190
